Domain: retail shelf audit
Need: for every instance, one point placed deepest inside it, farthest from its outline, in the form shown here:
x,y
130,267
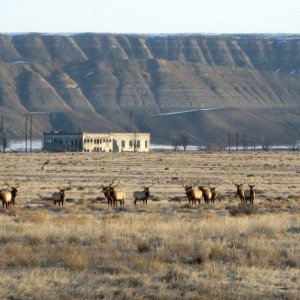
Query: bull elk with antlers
x,y
7,196
60,196
117,195
213,192
143,195
106,190
245,195
193,193
240,191
250,194
112,195
14,191
207,194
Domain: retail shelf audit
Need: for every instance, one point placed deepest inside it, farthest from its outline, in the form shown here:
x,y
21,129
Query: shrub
x,y
241,209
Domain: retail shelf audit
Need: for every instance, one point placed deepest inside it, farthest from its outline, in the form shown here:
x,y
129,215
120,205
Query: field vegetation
x,y
168,249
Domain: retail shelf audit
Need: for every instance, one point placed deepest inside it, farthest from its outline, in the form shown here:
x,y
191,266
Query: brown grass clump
x,y
75,259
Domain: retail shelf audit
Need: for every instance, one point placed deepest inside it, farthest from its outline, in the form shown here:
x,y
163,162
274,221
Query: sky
x,y
150,16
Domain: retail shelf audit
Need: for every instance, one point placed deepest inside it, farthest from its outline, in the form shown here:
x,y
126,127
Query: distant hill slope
x,y
93,81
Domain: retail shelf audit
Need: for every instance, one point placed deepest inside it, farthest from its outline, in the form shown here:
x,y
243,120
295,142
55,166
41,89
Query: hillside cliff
x,y
93,81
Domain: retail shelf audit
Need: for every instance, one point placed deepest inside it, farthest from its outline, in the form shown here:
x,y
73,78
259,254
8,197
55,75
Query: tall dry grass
x,y
166,249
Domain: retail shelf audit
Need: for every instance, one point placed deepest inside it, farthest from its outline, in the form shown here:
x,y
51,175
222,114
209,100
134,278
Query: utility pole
x,y
30,132
130,116
237,141
229,141
26,130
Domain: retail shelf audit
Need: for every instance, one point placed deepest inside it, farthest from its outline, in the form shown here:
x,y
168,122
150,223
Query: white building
x,y
57,141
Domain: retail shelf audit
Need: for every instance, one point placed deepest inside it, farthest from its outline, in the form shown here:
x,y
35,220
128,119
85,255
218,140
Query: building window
x,y
146,144
123,144
130,144
138,144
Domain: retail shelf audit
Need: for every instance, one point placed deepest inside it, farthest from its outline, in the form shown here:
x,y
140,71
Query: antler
x,y
185,184
113,186
59,186
153,182
17,183
238,183
5,182
214,187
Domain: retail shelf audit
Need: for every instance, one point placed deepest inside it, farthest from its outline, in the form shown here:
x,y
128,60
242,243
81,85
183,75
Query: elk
x,y
60,196
106,190
117,195
193,193
207,194
213,192
5,197
14,191
143,195
240,191
250,194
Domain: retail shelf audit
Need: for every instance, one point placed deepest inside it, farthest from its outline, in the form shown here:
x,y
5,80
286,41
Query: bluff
x,y
95,82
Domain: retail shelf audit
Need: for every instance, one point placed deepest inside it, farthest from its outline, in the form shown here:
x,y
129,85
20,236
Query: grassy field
x,y
165,250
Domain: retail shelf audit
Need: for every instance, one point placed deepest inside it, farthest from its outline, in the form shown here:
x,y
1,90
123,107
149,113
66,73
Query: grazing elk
x,y
60,196
193,193
143,195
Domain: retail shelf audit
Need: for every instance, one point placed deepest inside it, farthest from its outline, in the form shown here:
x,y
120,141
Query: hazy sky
x,y
151,16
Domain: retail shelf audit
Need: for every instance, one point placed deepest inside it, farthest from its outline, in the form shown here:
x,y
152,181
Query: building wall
x,y
139,142
96,142
58,142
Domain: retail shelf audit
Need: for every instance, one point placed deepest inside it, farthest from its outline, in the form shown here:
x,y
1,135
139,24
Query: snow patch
x,y
89,74
189,111
20,62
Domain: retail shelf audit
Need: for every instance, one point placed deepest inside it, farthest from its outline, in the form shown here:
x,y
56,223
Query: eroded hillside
x,y
92,82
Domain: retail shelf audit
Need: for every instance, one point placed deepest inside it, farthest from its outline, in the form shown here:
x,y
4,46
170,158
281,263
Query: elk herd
x,y
114,195
195,192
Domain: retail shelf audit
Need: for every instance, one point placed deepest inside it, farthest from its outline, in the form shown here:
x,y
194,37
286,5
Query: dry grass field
x,y
165,250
